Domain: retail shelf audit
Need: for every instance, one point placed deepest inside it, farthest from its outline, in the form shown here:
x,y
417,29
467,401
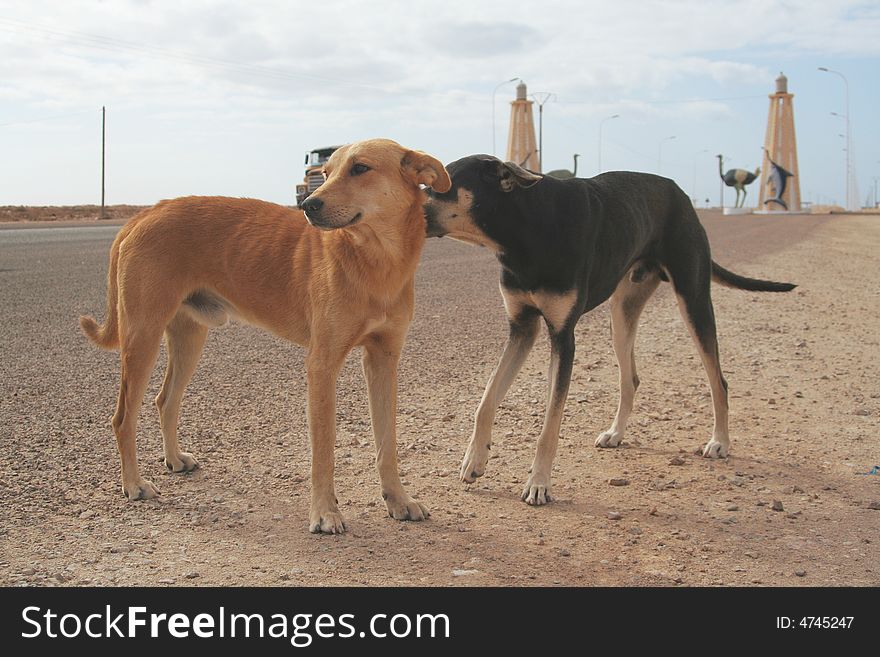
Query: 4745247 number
x,y
814,622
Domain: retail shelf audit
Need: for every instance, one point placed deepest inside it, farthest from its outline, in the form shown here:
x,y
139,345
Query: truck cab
x,y
313,179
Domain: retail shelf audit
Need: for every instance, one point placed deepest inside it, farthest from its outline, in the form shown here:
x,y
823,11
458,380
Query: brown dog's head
x,y
372,181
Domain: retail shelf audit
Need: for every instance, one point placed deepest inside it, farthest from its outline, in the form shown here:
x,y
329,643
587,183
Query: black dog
x,y
566,246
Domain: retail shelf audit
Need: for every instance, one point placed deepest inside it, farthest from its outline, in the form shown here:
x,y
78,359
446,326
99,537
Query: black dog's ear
x,y
513,174
508,175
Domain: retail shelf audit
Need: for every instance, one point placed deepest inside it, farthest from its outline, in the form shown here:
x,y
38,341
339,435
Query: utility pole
x,y
542,97
103,143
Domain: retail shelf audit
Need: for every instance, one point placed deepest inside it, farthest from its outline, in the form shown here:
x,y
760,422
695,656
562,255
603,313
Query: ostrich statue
x,y
738,179
563,174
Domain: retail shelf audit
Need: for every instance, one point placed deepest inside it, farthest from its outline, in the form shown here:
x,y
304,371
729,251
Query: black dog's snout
x,y
312,205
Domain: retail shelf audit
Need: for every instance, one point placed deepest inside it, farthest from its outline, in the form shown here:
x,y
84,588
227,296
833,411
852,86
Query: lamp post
x,y
660,154
845,150
494,91
541,97
608,118
848,133
694,189
876,199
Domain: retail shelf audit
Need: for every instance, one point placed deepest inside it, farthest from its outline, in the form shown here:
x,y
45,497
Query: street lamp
x,y
694,189
848,133
613,116
494,91
660,154
875,190
546,97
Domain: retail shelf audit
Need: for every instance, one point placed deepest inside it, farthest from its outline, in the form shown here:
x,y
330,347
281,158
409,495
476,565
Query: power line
x,y
46,118
666,101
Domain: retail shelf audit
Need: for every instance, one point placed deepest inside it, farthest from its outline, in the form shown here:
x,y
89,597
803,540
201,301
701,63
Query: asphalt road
x,y
49,276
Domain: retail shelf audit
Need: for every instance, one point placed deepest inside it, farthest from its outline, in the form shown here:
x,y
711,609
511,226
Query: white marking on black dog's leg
x,y
626,306
537,488
523,331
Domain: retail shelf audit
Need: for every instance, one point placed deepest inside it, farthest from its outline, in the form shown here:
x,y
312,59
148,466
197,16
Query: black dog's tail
x,y
729,279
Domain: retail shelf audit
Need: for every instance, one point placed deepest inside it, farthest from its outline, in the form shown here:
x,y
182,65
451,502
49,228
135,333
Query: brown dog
x,y
187,265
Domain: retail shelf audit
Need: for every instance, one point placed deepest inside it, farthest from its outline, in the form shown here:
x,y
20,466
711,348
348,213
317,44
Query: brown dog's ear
x,y
426,170
512,174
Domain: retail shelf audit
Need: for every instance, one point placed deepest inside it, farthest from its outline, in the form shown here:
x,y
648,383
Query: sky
x,y
226,97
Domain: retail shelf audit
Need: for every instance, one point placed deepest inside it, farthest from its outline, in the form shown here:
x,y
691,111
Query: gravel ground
x,y
790,506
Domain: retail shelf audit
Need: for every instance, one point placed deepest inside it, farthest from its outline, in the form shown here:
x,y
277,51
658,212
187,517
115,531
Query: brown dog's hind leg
x,y
185,339
138,352
627,303
380,358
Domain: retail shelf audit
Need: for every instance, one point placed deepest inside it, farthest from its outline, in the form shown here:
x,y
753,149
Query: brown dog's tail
x,y
729,279
107,336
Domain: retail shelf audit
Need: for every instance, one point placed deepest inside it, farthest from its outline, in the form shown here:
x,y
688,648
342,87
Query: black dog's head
x,y
479,184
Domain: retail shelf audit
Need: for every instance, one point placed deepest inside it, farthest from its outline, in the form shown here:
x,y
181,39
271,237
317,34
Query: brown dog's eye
x,y
358,169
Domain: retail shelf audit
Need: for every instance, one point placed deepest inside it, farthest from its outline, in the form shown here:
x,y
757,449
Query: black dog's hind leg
x,y
523,331
691,278
537,489
627,303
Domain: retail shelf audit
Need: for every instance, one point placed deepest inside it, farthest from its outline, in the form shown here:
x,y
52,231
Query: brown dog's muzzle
x,y
319,216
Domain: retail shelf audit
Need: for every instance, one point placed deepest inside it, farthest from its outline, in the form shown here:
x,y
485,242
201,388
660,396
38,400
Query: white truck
x,y
314,161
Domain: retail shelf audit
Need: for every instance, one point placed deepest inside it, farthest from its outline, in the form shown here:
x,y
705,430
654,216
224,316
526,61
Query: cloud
x,y
480,38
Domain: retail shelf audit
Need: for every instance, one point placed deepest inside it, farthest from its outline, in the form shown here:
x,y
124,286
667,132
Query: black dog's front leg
x,y
537,489
523,331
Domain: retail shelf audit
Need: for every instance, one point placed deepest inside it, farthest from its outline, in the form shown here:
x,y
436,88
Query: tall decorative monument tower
x,y
522,148
780,182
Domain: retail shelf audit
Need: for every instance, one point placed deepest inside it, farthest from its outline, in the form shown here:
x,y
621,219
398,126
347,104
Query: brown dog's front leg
x,y
324,515
381,355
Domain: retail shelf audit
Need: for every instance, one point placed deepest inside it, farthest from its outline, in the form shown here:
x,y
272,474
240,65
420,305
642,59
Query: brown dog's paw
x,y
406,508
184,462
329,521
141,489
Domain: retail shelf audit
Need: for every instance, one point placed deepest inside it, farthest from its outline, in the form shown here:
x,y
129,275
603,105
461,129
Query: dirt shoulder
x,y
66,214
